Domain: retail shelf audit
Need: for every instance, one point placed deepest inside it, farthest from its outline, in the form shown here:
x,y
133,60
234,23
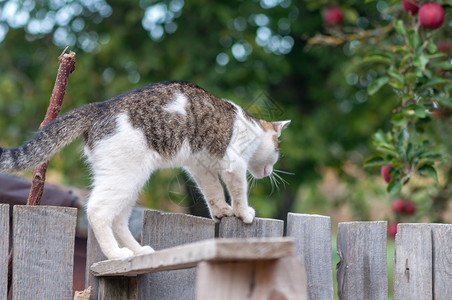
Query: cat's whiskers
x,y
251,181
283,172
276,179
274,182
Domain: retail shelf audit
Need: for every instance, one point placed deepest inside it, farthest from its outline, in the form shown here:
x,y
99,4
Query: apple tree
x,y
408,49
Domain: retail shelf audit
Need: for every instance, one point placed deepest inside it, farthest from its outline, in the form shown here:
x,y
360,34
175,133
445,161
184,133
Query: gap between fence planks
x,y
190,255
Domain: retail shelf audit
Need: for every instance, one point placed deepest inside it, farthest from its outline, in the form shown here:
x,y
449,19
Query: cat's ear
x,y
280,126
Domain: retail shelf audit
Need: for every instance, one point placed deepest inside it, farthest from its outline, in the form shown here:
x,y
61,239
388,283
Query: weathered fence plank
x,y
190,255
43,257
253,280
413,278
4,247
312,234
112,288
232,227
93,254
362,270
442,261
165,230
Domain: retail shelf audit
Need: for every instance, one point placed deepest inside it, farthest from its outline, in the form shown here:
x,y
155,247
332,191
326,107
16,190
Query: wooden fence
x,y
43,242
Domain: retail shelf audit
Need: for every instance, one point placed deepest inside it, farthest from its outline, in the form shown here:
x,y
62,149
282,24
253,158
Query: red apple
x,y
332,16
410,7
398,205
431,15
385,173
410,208
392,229
444,46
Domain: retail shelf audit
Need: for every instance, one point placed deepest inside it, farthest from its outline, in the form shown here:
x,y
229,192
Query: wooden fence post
x,y
312,235
4,249
442,261
413,277
165,230
232,227
362,270
43,243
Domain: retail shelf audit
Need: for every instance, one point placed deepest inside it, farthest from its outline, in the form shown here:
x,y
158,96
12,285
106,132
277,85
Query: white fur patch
x,y
178,105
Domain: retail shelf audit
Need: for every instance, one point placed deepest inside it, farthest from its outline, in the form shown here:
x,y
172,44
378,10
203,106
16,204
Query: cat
x,y
162,125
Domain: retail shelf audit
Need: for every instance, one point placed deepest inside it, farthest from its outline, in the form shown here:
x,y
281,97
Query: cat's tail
x,y
50,140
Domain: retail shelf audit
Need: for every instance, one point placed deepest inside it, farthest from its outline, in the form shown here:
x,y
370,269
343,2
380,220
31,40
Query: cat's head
x,y
261,163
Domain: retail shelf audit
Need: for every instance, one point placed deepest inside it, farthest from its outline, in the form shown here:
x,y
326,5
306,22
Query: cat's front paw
x,y
246,214
120,253
144,250
219,211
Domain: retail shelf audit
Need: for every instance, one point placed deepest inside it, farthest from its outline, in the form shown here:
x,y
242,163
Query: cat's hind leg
x,y
102,210
124,236
121,165
210,186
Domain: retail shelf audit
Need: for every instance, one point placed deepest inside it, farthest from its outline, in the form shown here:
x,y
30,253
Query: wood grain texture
x,y
187,256
115,288
4,249
413,262
93,255
165,230
43,258
442,261
269,279
362,269
312,235
232,227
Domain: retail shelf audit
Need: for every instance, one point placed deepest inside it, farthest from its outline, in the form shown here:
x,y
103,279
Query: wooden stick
x,y
67,66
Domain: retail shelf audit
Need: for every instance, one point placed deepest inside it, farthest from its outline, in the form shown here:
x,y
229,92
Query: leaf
x,y
445,101
435,55
410,152
434,81
400,27
443,65
432,47
396,84
396,75
428,170
432,155
375,160
418,110
377,84
376,59
394,186
398,119
380,137
387,150
420,62
402,142
413,38
411,77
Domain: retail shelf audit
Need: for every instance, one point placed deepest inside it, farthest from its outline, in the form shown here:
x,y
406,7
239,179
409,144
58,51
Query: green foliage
x,y
408,63
337,98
